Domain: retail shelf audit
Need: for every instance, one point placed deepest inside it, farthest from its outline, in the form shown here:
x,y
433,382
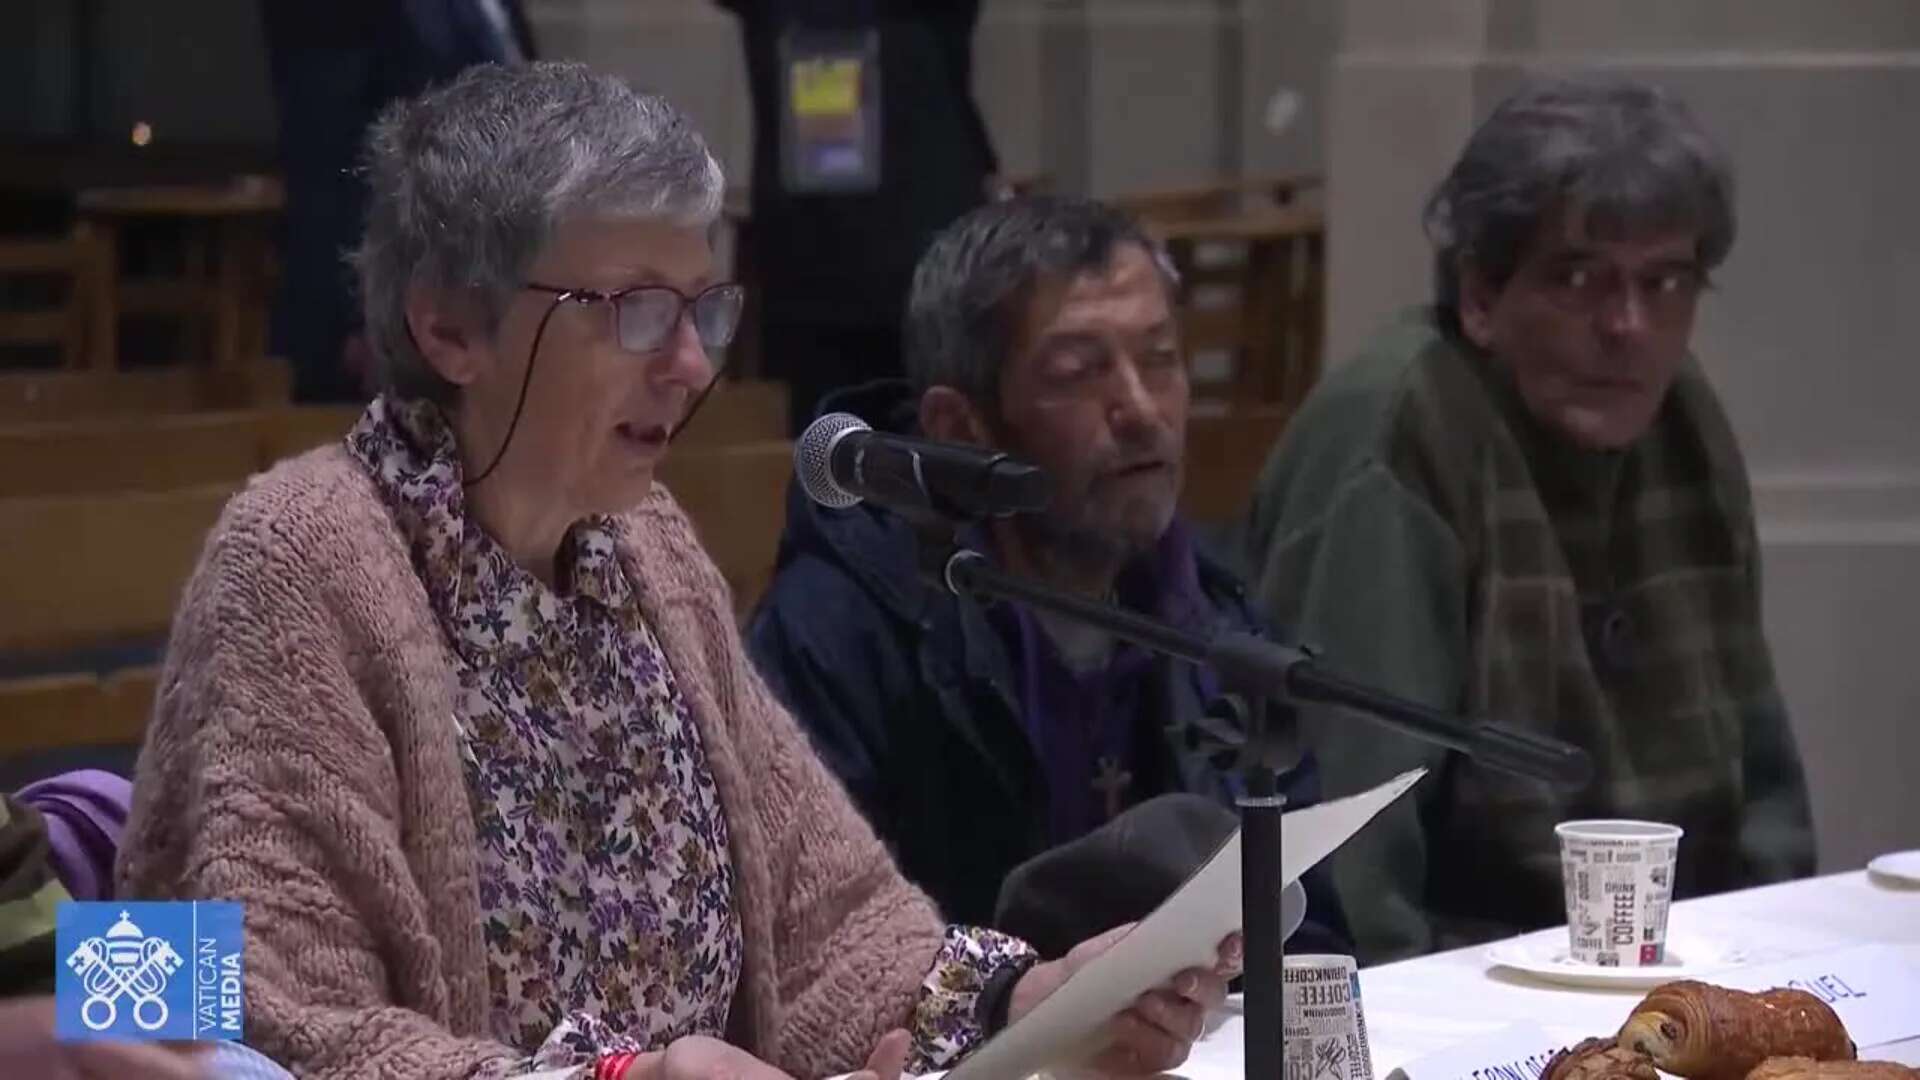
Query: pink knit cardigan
x,y
302,760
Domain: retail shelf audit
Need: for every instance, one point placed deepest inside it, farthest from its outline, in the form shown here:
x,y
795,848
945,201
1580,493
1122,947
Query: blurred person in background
x,y
334,66
866,142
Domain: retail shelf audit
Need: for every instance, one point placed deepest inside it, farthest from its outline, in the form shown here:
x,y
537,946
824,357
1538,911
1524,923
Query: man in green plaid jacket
x,y
1524,503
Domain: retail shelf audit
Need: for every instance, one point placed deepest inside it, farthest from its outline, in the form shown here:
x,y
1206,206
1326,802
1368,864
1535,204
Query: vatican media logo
x,y
149,970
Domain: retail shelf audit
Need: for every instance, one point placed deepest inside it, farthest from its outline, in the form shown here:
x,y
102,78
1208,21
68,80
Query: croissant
x,y
1710,1033
1799,1068
1606,1059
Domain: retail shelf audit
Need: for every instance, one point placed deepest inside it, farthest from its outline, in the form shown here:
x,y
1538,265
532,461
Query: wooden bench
x,y
1225,453
58,712
1226,198
736,496
1251,254
157,454
83,570
738,411
226,286
64,396
103,567
1263,307
189,449
81,326
294,430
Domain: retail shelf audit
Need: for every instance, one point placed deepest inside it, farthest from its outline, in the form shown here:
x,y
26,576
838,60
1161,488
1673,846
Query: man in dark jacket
x,y
973,736
866,142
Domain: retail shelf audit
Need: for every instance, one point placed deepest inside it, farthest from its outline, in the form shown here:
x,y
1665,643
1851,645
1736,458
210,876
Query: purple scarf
x,y
85,812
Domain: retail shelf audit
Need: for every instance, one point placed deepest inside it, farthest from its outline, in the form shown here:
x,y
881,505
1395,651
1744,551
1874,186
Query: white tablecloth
x,y
1419,1006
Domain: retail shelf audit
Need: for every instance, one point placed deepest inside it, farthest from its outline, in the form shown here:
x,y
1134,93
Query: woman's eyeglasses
x,y
645,316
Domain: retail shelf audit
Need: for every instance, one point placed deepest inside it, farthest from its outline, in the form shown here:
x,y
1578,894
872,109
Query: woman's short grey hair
x,y
971,288
468,181
1627,156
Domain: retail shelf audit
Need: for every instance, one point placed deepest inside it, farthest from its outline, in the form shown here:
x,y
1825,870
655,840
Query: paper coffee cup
x,y
1619,884
1325,1029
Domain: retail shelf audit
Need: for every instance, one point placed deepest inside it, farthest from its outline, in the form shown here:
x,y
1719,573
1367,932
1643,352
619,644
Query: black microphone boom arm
x,y
1268,677
1253,665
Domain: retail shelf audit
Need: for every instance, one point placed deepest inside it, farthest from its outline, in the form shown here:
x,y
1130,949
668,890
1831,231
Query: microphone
x,y
841,461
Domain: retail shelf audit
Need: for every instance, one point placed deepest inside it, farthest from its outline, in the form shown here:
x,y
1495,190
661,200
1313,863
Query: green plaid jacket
x,y
1419,528
29,897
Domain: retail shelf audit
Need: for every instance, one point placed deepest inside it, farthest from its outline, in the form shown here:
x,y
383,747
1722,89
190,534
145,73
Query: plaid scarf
x,y
1615,605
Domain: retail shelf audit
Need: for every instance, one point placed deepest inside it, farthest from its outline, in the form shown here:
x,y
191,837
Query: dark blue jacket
x,y
912,698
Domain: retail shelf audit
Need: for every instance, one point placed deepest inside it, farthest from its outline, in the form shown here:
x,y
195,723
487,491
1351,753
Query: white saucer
x,y
1901,866
1544,956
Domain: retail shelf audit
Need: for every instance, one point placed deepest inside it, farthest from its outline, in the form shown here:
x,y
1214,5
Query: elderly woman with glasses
x,y
457,707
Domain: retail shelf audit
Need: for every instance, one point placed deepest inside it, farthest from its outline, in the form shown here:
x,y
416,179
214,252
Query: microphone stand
x,y
1267,676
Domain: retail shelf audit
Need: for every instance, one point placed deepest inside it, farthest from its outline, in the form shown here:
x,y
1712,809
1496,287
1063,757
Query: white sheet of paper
x,y
1182,933
1517,1050
1872,988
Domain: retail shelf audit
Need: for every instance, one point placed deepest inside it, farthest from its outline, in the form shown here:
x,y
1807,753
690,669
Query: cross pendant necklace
x,y
1111,782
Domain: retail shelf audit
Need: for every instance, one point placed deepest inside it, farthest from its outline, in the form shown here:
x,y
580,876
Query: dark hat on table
x,y
1116,874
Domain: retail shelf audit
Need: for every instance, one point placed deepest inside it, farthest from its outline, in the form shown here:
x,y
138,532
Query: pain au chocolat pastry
x,y
1799,1068
1707,1032
1605,1059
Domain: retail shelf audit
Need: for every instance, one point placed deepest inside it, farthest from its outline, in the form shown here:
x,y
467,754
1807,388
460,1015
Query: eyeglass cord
x,y
526,380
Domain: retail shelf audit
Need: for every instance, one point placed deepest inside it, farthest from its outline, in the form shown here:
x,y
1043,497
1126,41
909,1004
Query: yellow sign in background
x,y
826,86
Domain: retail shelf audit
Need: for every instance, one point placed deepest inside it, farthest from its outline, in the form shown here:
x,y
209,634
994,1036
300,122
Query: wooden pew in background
x,y
738,411
98,570
1262,309
294,430
1225,453
60,396
736,496
58,712
149,454
161,452
85,570
190,449
1226,198
81,326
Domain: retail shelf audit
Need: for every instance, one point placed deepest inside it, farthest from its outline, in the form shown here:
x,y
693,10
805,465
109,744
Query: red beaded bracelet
x,y
613,1066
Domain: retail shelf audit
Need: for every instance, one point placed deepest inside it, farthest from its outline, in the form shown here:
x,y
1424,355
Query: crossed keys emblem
x,y
124,963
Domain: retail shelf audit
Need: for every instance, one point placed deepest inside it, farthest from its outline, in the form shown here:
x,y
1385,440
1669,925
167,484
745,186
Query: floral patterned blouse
x,y
606,885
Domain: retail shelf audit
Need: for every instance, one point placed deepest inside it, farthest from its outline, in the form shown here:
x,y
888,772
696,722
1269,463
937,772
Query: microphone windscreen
x,y
813,459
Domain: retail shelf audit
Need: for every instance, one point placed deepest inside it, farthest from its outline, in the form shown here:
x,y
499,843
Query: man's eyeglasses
x,y
1587,287
645,316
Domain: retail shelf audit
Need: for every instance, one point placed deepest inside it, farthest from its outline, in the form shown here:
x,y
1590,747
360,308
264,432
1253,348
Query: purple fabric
x,y
85,812
1076,719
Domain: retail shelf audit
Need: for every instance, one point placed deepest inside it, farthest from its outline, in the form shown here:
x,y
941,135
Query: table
x,y
1416,1007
